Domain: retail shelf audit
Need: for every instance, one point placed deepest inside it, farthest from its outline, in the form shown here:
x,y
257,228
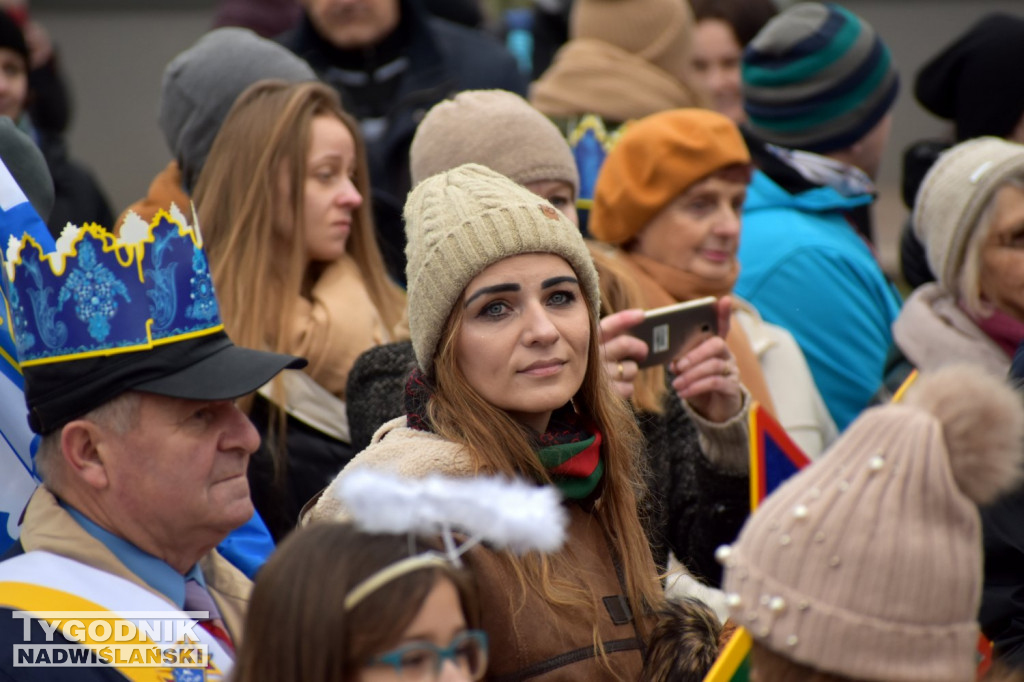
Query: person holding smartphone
x,y
669,199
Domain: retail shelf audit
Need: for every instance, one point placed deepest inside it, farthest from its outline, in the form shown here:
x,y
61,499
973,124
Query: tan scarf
x,y
593,77
335,323
665,285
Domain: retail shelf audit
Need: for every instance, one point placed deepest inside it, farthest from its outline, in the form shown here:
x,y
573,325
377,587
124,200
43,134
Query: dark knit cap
x,y
817,78
201,84
11,36
977,81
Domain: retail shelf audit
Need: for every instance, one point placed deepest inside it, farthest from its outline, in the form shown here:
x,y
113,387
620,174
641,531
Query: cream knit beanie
x,y
494,128
952,197
868,563
461,221
658,31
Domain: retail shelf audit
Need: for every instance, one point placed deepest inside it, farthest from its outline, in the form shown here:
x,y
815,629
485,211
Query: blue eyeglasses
x,y
423,661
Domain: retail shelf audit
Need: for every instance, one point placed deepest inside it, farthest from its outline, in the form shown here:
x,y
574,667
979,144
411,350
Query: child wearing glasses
x,y
335,603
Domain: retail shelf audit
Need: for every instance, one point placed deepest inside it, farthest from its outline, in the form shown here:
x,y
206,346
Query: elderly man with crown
x,y
130,382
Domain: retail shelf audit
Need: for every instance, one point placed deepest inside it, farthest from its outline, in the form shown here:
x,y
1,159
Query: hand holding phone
x,y
674,329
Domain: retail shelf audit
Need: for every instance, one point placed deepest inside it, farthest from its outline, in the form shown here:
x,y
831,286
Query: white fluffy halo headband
x,y
505,513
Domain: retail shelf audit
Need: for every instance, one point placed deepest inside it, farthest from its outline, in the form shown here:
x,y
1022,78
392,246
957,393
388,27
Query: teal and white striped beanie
x,y
817,78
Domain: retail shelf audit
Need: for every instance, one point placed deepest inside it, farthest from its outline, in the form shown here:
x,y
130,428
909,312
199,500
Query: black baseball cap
x,y
208,367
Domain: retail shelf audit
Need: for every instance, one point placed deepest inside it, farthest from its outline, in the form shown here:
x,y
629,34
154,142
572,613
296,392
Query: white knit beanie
x,y
459,222
868,563
494,128
952,197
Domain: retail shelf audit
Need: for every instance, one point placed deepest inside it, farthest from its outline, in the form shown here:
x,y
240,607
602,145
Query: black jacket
x,y
313,460
442,59
1002,599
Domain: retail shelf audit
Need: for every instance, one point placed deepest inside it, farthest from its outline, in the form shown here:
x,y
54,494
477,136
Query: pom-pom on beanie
x,y
459,222
816,78
868,563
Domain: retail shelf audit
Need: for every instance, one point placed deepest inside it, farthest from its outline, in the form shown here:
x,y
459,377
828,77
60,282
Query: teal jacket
x,y
805,268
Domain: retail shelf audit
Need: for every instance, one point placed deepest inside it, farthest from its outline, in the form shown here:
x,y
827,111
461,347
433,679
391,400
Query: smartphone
x,y
674,329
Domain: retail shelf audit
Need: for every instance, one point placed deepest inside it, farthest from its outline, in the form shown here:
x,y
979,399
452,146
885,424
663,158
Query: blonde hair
x,y
499,444
261,149
969,281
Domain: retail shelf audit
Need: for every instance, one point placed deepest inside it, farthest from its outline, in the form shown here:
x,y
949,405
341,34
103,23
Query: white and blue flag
x,y
17,442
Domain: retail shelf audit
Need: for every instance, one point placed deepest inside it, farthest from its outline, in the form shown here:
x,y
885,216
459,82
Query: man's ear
x,y
83,446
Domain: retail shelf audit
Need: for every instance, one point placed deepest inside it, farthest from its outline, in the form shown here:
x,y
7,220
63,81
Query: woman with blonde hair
x,y
503,312
296,266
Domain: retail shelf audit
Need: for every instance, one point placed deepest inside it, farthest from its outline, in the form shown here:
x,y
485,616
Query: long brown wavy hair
x,y
263,145
255,245
500,445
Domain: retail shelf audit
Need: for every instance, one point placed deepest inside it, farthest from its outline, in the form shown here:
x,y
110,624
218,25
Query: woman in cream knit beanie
x,y
503,303
522,144
967,216
867,564
526,147
461,222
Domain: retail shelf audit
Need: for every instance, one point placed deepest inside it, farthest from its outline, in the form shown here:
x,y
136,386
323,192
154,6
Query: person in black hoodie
x,y
391,61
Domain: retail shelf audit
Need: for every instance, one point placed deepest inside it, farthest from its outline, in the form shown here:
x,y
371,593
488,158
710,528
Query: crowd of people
x,y
386,249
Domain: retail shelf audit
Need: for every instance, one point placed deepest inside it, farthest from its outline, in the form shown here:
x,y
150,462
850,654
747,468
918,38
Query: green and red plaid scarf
x,y
570,449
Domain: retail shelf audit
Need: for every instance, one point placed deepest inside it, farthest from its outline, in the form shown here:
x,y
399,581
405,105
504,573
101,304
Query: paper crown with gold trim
x,y
104,314
99,294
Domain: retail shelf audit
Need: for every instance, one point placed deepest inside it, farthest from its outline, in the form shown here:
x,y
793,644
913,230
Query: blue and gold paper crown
x,y
99,294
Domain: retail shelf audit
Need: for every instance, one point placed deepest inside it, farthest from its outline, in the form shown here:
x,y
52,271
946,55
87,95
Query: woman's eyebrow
x,y
494,289
555,281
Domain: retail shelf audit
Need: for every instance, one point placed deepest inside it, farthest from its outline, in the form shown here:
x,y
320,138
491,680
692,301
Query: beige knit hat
x,y
868,563
494,128
658,31
952,196
461,221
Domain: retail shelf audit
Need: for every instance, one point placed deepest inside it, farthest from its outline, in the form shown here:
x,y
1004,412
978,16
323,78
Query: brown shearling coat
x,y
530,638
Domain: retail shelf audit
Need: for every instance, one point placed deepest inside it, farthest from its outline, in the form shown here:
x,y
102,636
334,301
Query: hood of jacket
x,y
763,193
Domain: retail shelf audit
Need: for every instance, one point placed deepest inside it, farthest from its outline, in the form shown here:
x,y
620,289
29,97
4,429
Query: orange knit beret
x,y
657,158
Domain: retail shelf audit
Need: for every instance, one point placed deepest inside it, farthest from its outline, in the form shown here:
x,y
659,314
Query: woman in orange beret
x,y
669,198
